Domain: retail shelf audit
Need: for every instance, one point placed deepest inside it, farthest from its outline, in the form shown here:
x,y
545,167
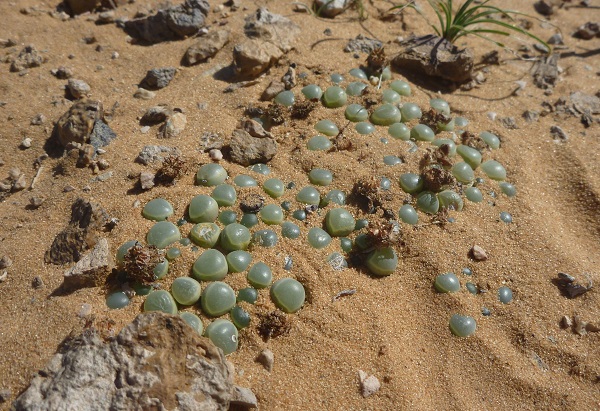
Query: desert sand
x,y
393,327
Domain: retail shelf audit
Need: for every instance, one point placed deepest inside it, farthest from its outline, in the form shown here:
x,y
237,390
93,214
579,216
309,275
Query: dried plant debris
x,y
385,234
172,169
578,325
302,109
546,72
273,325
437,179
436,157
140,261
570,287
377,61
434,119
370,194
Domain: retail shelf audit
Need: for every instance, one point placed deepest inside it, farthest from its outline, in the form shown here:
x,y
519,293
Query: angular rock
x,y
210,141
266,358
78,88
173,126
272,90
5,262
243,397
362,44
331,8
247,150
558,133
546,72
369,385
173,23
28,57
62,73
206,47
254,128
478,253
156,362
271,36
588,31
150,154
144,94
146,180
158,78
93,268
76,125
87,219
101,135
435,57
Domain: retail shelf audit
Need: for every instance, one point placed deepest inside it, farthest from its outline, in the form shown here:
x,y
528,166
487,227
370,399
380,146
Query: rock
x,y
243,397
331,8
81,6
369,385
173,126
37,282
150,154
38,120
62,73
544,7
101,135
478,253
26,143
215,154
253,57
558,133
362,44
144,94
156,115
3,276
20,183
156,362
509,123
570,287
546,72
158,78
289,78
5,262
93,268
28,57
210,141
78,88
76,125
36,201
531,116
172,23
254,128
5,395
271,36
87,219
247,150
206,47
266,358
106,17
272,90
435,57
556,39
588,31
146,180
86,155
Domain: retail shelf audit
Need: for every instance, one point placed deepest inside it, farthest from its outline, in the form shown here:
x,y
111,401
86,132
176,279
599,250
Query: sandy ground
x,y
395,327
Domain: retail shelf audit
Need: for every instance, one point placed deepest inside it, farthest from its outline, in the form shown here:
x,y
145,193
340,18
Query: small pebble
x,y
37,282
486,312
215,154
478,253
369,385
266,358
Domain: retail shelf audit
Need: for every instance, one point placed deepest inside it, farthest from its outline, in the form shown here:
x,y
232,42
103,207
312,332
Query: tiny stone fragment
x,y
369,385
215,154
588,31
36,201
478,253
26,143
20,183
92,269
38,120
558,133
5,262
531,116
62,73
266,358
37,282
566,322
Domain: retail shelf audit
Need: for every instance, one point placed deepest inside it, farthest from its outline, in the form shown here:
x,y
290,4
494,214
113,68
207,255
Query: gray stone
x,y
206,47
158,78
558,133
101,135
247,150
173,126
62,73
93,268
362,44
254,128
436,57
271,36
38,120
331,8
156,115
546,72
156,362
243,397
20,183
76,125
588,31
172,23
5,262
150,154
78,88
28,57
